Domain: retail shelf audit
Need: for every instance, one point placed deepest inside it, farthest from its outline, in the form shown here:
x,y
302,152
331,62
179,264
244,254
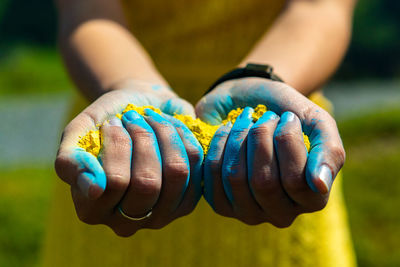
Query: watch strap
x,y
251,70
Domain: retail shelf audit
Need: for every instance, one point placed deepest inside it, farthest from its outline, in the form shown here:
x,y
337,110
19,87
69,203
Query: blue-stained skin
x,y
217,143
252,143
175,139
91,172
132,117
216,105
315,159
196,171
236,140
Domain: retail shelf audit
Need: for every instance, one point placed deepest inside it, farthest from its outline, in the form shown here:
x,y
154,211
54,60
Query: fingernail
x,y
247,112
87,184
288,116
149,112
115,122
325,176
132,115
272,115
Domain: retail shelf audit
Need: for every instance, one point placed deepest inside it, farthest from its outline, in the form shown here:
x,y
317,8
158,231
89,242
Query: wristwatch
x,y
251,70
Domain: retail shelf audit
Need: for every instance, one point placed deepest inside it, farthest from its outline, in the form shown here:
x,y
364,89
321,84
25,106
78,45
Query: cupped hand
x,y
147,163
261,172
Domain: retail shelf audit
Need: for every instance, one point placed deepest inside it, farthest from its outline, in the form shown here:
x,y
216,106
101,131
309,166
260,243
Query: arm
x,y
261,172
148,165
98,50
307,42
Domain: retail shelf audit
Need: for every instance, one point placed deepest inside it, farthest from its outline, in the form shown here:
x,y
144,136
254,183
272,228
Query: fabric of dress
x,y
193,42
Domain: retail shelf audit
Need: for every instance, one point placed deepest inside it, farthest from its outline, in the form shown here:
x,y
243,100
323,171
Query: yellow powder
x,y
233,114
306,142
139,110
204,132
91,142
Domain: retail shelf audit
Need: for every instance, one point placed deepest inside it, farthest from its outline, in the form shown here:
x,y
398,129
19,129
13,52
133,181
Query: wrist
x,y
142,86
250,70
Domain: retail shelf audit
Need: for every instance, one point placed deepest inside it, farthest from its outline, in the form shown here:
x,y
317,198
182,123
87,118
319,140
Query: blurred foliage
x,y
372,185
374,51
24,66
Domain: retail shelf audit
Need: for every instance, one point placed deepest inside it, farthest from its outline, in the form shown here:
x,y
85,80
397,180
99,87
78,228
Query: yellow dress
x,y
193,42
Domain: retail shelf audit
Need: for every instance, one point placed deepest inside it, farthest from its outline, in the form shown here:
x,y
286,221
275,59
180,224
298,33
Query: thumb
x,y
214,107
77,167
177,106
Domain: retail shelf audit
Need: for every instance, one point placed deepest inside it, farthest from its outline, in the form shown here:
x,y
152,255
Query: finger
x,y
234,168
77,167
175,165
292,158
115,158
145,173
195,155
263,172
145,184
177,106
214,192
327,154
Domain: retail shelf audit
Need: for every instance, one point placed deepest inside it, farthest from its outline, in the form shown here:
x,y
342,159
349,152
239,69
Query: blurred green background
x,y
35,92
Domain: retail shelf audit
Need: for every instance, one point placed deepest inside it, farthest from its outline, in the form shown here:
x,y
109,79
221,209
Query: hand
x,y
261,172
146,163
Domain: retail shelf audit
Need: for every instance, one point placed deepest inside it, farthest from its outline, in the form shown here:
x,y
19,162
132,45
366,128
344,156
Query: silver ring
x,y
134,218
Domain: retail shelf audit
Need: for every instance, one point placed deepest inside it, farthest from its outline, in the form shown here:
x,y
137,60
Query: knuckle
x,y
214,165
117,182
261,132
237,133
220,134
118,139
295,184
177,171
251,220
264,183
61,164
234,175
285,137
165,127
318,205
195,155
139,133
123,232
187,210
87,217
222,211
236,183
339,154
157,224
147,183
283,222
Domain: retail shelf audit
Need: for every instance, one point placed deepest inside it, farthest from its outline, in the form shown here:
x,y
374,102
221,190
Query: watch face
x,y
259,67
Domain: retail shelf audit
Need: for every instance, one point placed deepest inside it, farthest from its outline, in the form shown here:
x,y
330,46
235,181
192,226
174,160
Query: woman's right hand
x,y
147,163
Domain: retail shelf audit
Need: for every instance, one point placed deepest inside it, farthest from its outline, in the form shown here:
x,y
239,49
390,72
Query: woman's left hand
x,y
261,172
